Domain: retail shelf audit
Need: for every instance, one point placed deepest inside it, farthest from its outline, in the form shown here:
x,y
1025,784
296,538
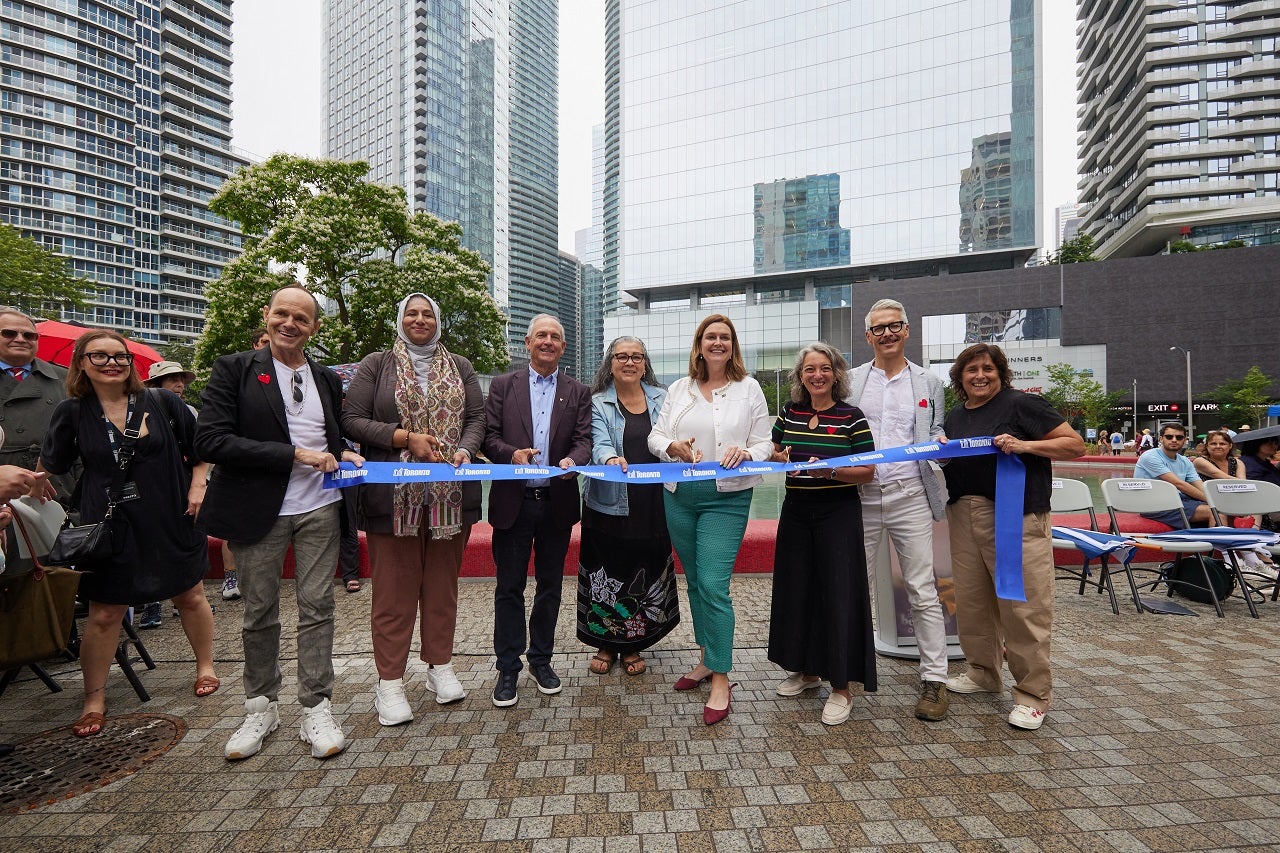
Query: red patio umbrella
x,y
58,339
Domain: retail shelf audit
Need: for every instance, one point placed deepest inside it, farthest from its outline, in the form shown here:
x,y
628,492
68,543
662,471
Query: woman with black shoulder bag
x,y
142,478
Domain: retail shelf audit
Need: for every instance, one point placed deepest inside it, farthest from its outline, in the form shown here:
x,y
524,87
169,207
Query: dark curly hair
x,y
976,351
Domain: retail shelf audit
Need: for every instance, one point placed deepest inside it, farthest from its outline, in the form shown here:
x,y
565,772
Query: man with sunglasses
x,y
270,425
1167,463
30,389
904,405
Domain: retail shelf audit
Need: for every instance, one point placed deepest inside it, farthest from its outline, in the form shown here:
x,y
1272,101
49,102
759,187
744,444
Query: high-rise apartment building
x,y
568,310
762,160
1179,123
456,102
115,131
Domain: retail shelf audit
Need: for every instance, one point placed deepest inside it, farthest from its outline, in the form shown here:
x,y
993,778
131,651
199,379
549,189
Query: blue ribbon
x,y
1010,482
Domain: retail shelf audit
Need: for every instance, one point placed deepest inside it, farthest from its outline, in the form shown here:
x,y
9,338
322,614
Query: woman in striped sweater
x,y
820,622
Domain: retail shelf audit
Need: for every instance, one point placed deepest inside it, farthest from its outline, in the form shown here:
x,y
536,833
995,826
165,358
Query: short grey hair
x,y
604,376
885,305
839,369
9,310
538,317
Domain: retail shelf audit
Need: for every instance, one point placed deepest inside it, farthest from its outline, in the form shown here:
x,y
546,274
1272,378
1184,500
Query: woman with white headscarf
x,y
417,402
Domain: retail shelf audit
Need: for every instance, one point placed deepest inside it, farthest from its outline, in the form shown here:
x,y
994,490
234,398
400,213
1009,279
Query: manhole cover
x,y
57,765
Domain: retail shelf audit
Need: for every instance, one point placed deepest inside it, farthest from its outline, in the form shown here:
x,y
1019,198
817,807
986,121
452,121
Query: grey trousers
x,y
314,536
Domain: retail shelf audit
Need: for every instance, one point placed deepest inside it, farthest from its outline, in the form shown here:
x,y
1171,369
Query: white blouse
x,y
736,415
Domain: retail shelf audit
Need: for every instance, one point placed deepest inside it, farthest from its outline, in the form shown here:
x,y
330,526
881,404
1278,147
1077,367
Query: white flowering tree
x,y
360,248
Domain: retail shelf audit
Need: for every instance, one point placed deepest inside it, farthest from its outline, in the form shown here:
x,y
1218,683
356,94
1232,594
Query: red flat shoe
x,y
711,716
206,685
686,683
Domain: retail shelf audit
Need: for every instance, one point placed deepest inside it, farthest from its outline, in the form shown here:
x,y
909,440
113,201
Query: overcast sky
x,y
278,104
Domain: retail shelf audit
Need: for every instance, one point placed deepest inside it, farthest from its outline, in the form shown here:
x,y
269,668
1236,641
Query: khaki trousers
x,y
413,574
992,628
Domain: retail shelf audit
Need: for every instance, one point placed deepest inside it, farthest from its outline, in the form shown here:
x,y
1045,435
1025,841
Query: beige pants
x,y
991,628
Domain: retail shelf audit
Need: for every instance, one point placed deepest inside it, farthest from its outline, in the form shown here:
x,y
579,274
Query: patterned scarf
x,y
434,406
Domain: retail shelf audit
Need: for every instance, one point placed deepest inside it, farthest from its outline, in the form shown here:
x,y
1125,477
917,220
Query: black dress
x,y
159,554
626,575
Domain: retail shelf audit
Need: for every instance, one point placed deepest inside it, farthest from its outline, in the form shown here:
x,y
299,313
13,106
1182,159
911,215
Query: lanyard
x,y
117,446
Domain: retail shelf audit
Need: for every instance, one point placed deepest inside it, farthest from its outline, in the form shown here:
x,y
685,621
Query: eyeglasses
x,y
894,327
102,359
624,357
296,382
10,334
1174,437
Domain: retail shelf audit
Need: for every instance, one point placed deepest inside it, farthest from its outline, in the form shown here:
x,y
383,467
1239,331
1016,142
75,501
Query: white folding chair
x,y
1074,496
1141,495
1245,497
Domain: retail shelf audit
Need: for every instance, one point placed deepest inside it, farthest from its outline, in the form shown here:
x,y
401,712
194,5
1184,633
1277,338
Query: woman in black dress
x,y
158,553
626,577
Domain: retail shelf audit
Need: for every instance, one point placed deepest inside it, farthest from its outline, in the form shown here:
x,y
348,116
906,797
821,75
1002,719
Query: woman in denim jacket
x,y
626,577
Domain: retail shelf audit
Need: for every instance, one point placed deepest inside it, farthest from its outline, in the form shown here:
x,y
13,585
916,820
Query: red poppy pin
x,y
924,403
264,378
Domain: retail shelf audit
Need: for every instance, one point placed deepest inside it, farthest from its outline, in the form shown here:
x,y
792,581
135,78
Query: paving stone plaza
x,y
1162,736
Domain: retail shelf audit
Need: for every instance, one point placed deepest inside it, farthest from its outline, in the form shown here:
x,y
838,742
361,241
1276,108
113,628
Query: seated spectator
x,y
1167,463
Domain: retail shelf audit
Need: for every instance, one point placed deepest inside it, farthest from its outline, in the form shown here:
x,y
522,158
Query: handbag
x,y
36,611
83,545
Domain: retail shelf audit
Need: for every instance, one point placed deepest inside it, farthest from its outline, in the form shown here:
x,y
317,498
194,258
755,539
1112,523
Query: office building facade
x,y
456,102
1179,123
115,131
769,159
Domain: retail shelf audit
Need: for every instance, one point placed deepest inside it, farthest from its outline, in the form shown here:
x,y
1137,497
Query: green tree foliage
x,y
1182,247
1077,250
35,280
1243,400
1081,399
361,250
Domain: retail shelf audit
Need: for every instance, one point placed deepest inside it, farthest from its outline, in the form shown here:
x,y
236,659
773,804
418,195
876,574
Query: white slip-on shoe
x,y
442,681
321,731
837,709
390,702
262,717
794,684
964,684
1026,717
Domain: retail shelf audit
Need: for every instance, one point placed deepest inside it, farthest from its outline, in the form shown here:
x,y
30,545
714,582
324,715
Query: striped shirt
x,y
841,430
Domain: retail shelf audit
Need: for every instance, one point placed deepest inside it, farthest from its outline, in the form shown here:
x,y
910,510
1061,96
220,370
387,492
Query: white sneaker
x,y
964,684
442,682
1024,717
390,703
319,729
262,717
230,587
794,684
837,709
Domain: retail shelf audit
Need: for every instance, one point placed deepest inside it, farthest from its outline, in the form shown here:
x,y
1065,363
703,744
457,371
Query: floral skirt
x,y
626,592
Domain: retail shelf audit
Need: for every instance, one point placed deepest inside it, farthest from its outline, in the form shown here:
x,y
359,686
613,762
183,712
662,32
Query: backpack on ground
x,y
1188,581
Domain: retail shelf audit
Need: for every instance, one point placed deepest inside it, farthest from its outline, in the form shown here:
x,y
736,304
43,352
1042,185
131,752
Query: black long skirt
x,y
626,591
820,619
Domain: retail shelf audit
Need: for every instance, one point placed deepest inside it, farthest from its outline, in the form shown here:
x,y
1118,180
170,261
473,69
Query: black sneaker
x,y
545,676
504,692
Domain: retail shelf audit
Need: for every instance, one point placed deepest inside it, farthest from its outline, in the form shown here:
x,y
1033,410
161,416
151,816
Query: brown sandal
x,y
353,585
602,663
207,685
634,664
90,723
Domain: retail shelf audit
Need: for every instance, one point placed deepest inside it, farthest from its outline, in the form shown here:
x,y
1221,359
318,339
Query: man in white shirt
x,y
904,405
270,426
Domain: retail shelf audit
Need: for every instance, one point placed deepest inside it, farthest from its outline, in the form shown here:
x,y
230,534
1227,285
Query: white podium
x,y
894,634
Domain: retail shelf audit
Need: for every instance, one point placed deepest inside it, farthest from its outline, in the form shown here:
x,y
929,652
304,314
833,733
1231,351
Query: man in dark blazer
x,y
270,426
537,416
30,388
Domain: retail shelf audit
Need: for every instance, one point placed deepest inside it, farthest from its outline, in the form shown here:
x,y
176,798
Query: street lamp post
x,y
1135,413
1191,432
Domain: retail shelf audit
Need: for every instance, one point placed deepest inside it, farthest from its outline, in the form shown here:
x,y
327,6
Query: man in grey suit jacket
x,y
534,416
904,405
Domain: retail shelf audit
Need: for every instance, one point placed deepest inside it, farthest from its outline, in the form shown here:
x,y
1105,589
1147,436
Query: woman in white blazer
x,y
719,412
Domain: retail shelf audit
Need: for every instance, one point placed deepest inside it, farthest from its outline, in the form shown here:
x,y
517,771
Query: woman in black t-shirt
x,y
992,629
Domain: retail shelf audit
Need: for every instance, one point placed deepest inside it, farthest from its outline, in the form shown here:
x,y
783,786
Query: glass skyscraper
x,y
456,102
115,131
770,156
